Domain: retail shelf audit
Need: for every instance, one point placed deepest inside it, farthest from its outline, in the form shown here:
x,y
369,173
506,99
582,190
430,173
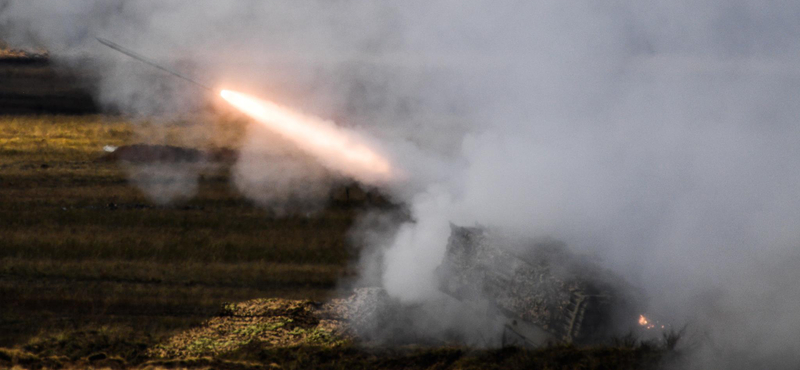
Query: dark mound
x,y
143,153
22,57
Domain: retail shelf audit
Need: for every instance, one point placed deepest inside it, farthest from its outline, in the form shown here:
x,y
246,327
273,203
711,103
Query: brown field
x,y
94,274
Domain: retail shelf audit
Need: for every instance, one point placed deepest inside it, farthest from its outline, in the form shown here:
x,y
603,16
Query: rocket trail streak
x,y
335,147
140,58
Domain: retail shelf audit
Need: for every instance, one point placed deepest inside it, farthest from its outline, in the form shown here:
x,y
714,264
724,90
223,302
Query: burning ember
x,y
647,324
334,147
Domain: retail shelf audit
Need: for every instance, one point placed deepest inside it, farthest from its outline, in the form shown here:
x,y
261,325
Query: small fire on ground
x,y
647,324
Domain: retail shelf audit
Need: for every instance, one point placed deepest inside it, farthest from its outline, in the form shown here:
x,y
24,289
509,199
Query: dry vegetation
x,y
94,274
83,249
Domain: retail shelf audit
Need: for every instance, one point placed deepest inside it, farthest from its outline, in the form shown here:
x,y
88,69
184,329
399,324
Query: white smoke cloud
x,y
417,249
659,136
277,177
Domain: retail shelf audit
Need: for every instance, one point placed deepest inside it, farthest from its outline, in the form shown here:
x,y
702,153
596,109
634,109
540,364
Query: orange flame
x,y
646,323
335,147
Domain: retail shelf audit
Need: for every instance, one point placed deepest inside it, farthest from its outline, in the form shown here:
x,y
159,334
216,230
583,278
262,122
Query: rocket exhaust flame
x,y
334,147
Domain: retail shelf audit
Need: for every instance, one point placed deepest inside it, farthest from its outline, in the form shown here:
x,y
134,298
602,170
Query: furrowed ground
x,y
82,247
93,273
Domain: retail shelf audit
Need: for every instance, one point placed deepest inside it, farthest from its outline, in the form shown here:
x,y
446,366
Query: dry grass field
x,y
95,274
81,245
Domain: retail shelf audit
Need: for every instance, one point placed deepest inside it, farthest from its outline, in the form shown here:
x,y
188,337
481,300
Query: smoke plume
x,y
660,137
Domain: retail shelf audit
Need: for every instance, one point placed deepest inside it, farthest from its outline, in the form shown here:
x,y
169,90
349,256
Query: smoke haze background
x,y
661,137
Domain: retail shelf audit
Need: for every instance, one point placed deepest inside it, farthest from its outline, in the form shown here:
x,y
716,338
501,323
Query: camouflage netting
x,y
540,283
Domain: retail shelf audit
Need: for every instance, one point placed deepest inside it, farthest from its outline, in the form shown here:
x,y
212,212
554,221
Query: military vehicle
x,y
541,290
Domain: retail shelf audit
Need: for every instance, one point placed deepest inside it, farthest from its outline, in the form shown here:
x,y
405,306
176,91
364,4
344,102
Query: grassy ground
x,y
68,260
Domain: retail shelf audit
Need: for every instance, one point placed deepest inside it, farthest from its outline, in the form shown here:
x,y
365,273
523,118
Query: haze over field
x,y
660,137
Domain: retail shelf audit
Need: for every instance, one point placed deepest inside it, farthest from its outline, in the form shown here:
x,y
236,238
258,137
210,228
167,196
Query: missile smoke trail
x,y
142,59
333,146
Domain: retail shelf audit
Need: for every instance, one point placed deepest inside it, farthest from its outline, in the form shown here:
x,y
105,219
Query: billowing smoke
x,y
276,176
660,137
